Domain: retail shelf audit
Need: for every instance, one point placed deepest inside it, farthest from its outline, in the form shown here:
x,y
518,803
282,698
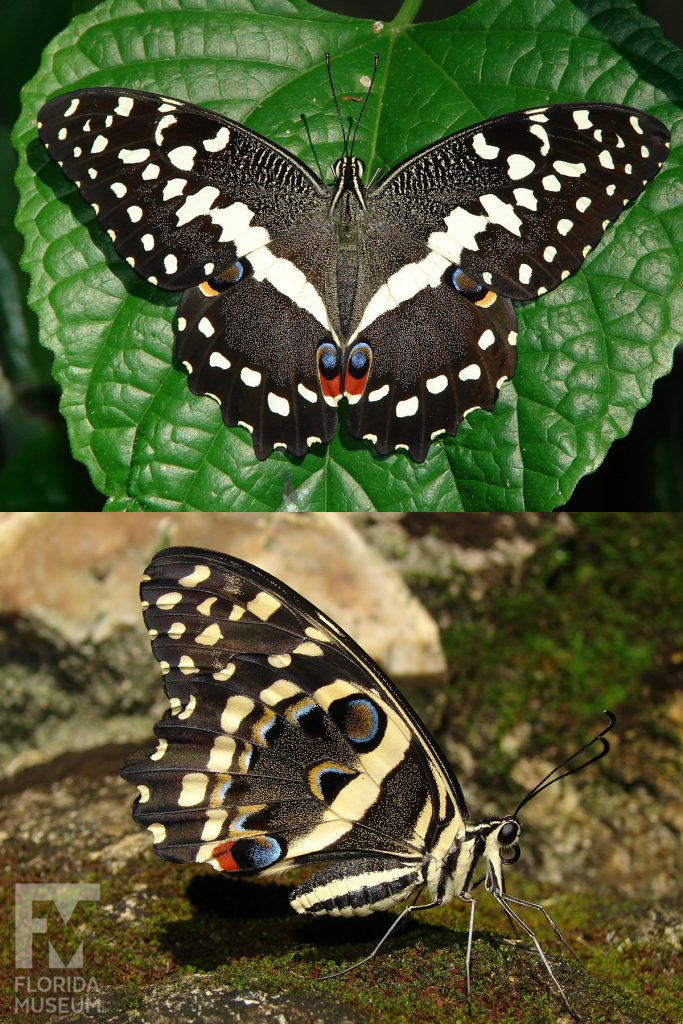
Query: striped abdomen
x,y
357,887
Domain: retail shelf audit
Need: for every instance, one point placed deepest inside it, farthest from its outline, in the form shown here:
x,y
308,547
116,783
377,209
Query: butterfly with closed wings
x,y
396,296
286,745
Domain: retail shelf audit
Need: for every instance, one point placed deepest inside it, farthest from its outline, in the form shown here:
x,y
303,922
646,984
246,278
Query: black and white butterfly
x,y
286,745
396,296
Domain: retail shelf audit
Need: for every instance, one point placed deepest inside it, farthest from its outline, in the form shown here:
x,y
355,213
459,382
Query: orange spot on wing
x,y
353,386
331,388
223,854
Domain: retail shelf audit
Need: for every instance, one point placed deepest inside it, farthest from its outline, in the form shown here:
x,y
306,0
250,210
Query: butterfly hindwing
x,y
284,743
237,344
417,392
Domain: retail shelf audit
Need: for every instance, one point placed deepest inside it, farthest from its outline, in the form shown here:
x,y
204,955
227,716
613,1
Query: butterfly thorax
x,y
349,189
494,840
348,214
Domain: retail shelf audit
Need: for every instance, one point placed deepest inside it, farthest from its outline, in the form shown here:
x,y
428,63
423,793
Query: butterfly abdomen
x,y
356,888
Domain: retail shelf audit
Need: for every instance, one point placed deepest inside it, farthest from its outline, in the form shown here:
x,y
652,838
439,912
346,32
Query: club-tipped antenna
x,y
365,103
553,775
336,103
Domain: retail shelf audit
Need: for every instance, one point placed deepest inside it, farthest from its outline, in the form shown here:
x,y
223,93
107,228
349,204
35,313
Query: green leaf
x,y
589,352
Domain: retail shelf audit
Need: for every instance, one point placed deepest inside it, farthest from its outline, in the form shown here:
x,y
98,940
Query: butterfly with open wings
x,y
286,745
396,296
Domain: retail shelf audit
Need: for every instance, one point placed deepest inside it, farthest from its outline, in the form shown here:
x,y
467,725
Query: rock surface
x,y
75,662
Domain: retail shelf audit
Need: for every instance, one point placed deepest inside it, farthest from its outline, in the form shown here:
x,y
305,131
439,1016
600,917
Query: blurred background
x,y
37,470
510,634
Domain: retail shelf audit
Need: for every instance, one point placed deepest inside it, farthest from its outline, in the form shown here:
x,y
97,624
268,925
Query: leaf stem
x,y
406,13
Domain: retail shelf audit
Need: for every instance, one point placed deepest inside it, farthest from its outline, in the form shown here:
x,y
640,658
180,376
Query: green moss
x,y
246,936
591,622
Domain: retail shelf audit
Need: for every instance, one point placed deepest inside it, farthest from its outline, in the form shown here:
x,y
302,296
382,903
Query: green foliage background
x,y
589,352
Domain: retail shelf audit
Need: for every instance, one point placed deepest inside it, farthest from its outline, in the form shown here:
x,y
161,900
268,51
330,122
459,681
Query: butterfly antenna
x,y
365,103
336,103
553,775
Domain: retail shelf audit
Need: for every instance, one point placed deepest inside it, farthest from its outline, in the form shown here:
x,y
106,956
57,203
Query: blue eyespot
x,y
359,360
256,854
229,276
328,361
362,720
467,286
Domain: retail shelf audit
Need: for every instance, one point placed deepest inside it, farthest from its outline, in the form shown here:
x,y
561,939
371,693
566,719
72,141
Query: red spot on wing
x,y
353,386
331,388
223,854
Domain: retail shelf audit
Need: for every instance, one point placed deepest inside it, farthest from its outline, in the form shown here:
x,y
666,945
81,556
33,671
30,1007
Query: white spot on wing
x,y
147,242
205,327
124,106
306,393
540,133
582,204
634,122
519,166
164,123
72,108
173,188
568,169
278,404
524,273
551,183
549,253
435,385
470,372
501,213
378,393
170,263
219,361
486,339
526,198
119,189
151,172
196,205
183,157
564,226
606,160
133,156
218,142
582,119
407,407
210,636
135,213
482,148
252,378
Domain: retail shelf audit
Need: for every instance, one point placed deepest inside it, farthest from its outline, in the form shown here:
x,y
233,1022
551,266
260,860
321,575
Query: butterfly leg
x,y
537,906
394,925
468,956
502,898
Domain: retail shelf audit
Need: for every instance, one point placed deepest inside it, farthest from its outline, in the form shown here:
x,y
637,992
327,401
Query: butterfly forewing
x,y
284,743
518,201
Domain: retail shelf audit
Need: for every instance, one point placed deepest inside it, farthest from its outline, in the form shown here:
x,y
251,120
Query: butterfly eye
x,y
508,833
511,854
467,286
